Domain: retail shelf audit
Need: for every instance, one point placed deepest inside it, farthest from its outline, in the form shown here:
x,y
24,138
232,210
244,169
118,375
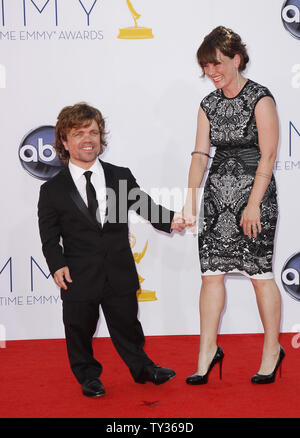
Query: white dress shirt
x,y
98,181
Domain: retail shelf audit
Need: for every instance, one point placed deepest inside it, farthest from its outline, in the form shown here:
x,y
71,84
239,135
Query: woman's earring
x,y
239,79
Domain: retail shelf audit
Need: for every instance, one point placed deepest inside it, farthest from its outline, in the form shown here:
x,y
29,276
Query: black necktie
x,y
91,196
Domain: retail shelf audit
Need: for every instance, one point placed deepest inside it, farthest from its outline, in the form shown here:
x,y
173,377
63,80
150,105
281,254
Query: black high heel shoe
x,y
196,379
270,378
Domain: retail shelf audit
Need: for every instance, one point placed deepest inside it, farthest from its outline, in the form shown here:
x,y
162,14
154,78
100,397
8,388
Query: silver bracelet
x,y
202,153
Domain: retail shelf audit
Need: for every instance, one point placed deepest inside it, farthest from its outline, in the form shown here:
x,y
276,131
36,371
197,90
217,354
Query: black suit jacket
x,y
71,237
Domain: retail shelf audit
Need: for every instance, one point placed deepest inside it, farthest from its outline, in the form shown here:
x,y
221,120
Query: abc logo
x,y
37,155
290,15
290,276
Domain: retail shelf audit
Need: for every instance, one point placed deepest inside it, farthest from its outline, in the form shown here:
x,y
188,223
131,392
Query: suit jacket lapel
x,y
76,197
112,193
108,174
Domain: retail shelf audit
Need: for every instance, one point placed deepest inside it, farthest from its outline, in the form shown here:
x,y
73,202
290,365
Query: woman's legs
x,y
269,305
212,299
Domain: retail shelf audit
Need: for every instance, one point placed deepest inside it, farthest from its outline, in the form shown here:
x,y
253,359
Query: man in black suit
x,y
83,222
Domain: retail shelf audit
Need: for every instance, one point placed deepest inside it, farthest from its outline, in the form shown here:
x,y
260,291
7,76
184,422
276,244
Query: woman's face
x,y
223,74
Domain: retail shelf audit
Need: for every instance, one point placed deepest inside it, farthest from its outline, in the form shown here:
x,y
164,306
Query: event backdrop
x,y
136,62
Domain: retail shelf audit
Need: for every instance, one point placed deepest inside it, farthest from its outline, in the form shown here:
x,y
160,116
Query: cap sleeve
x,y
204,104
262,92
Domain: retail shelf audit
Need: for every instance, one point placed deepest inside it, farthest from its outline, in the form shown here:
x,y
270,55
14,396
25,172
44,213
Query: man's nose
x,y
87,136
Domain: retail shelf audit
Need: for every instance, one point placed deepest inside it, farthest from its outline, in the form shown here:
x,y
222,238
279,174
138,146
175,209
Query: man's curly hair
x,y
76,116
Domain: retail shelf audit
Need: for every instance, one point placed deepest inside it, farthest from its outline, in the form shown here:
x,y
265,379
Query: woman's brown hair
x,y
227,41
79,115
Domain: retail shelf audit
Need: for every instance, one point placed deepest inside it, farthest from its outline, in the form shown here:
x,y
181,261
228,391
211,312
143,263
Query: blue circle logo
x,y
290,276
37,154
290,15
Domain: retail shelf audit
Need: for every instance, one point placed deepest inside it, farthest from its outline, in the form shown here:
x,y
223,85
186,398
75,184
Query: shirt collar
x,y
77,171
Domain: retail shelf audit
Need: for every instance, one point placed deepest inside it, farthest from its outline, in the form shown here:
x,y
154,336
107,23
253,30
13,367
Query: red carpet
x,y
35,382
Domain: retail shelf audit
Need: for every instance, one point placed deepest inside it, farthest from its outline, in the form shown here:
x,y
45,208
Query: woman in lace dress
x,y
238,213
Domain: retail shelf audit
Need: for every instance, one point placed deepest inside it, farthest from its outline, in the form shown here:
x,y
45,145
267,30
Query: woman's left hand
x,y
250,221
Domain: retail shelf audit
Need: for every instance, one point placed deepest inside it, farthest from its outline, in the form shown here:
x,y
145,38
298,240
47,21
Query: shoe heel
x,y
281,357
221,365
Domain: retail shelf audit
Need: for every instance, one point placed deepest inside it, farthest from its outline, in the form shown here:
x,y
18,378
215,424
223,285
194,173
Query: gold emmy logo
x,y
135,32
142,294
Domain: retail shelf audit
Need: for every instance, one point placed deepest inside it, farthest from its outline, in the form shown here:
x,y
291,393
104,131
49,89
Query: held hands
x,y
62,275
178,223
182,221
190,221
250,221
189,215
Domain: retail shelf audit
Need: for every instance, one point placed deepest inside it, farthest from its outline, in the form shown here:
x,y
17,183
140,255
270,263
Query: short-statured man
x,y
83,222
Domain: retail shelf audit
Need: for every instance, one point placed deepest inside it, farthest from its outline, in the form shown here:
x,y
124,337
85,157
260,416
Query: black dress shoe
x,y
155,374
93,388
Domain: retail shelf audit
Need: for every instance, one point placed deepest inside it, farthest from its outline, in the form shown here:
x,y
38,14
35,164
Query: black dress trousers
x,y
80,321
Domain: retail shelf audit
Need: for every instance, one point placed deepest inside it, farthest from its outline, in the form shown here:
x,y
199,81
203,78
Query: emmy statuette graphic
x,y
142,294
135,32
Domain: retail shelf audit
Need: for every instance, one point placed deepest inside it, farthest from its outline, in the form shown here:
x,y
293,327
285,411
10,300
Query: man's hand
x,y
61,275
178,223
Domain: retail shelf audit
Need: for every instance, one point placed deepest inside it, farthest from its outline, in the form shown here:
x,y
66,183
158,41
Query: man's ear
x,y
64,142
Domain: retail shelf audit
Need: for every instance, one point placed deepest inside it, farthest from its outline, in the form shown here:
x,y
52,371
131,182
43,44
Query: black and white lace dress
x,y
223,247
